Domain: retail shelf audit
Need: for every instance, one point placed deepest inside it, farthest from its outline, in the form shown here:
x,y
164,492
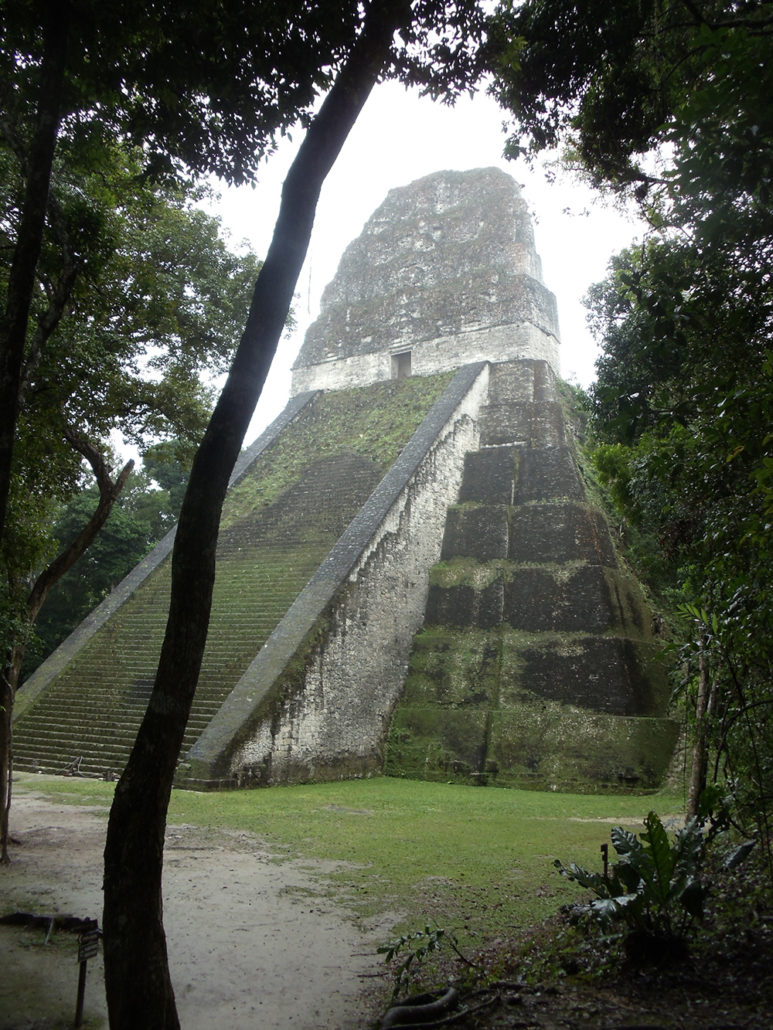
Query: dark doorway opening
x,y
401,365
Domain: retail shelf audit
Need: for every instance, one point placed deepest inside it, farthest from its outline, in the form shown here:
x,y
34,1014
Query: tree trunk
x,y
699,751
21,281
108,494
6,764
139,989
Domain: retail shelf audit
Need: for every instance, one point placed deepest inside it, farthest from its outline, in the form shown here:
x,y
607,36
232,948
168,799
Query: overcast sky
x,y
398,138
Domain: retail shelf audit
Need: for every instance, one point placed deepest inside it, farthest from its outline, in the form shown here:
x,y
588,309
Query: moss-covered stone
x,y
548,651
279,522
429,744
562,532
454,669
478,531
548,474
601,673
489,476
549,746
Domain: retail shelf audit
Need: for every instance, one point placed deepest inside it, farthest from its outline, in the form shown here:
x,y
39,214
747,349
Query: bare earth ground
x,y
254,941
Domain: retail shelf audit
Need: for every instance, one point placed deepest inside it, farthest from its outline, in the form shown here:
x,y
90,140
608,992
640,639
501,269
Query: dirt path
x,y
253,939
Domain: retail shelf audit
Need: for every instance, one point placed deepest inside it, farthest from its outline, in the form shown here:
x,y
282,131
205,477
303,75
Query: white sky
x,y
400,137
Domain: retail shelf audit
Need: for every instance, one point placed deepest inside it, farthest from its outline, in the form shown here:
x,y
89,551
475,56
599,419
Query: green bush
x,y
654,889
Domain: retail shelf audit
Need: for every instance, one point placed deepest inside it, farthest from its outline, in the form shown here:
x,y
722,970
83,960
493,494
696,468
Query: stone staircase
x,y
536,665
278,524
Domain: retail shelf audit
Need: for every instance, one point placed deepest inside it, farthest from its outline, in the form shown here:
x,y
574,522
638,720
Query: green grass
x,y
477,860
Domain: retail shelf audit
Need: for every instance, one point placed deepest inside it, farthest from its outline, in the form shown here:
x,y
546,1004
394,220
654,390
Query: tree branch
x,y
109,491
13,325
58,301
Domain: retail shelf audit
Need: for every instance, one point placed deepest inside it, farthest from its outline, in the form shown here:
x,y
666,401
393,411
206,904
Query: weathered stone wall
x,y
446,269
289,505
536,665
70,648
428,357
316,701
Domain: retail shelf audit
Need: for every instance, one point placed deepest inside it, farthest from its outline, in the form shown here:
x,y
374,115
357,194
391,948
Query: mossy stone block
x,y
560,598
603,674
567,531
575,598
453,670
478,531
546,474
489,476
430,744
464,606
543,746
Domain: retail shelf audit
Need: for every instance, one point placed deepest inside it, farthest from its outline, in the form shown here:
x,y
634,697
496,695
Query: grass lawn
x,y
478,860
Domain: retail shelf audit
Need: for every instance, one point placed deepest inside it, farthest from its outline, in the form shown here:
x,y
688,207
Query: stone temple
x,y
413,577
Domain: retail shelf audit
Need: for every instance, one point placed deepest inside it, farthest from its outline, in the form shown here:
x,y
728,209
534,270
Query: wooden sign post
x,y
88,946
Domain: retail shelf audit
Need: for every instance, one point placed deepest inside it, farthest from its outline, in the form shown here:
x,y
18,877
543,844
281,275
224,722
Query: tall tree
x,y
437,45
136,295
668,101
196,86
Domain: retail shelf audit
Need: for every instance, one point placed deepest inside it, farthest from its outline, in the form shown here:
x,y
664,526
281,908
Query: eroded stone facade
x,y
445,273
410,499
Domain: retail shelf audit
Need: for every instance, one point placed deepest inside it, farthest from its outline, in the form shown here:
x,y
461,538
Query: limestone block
x,y
550,748
513,383
560,598
546,474
435,744
538,424
604,674
489,476
575,597
476,531
548,428
505,425
453,669
561,532
464,605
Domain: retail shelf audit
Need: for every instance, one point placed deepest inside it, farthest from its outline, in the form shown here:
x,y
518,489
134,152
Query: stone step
x,y
546,747
528,425
548,474
574,597
489,476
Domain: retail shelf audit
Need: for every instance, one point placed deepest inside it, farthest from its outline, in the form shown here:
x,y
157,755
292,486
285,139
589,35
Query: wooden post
x,y
88,946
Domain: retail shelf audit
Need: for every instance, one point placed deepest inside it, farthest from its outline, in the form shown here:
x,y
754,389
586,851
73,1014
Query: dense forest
x,y
120,299
666,104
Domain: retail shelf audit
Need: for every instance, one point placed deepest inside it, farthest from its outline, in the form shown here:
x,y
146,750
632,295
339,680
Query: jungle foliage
x,y
654,889
144,512
666,102
136,298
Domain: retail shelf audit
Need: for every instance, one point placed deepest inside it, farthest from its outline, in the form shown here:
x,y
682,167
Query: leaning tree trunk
x,y
21,280
703,711
109,492
138,985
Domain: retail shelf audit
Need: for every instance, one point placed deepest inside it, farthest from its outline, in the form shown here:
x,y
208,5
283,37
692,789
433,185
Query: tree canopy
x,y
136,296
155,299
614,82
667,101
196,88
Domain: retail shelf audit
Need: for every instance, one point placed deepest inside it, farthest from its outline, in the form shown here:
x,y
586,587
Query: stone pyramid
x,y
410,574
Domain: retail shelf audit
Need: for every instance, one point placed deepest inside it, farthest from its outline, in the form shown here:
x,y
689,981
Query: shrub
x,y
654,889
